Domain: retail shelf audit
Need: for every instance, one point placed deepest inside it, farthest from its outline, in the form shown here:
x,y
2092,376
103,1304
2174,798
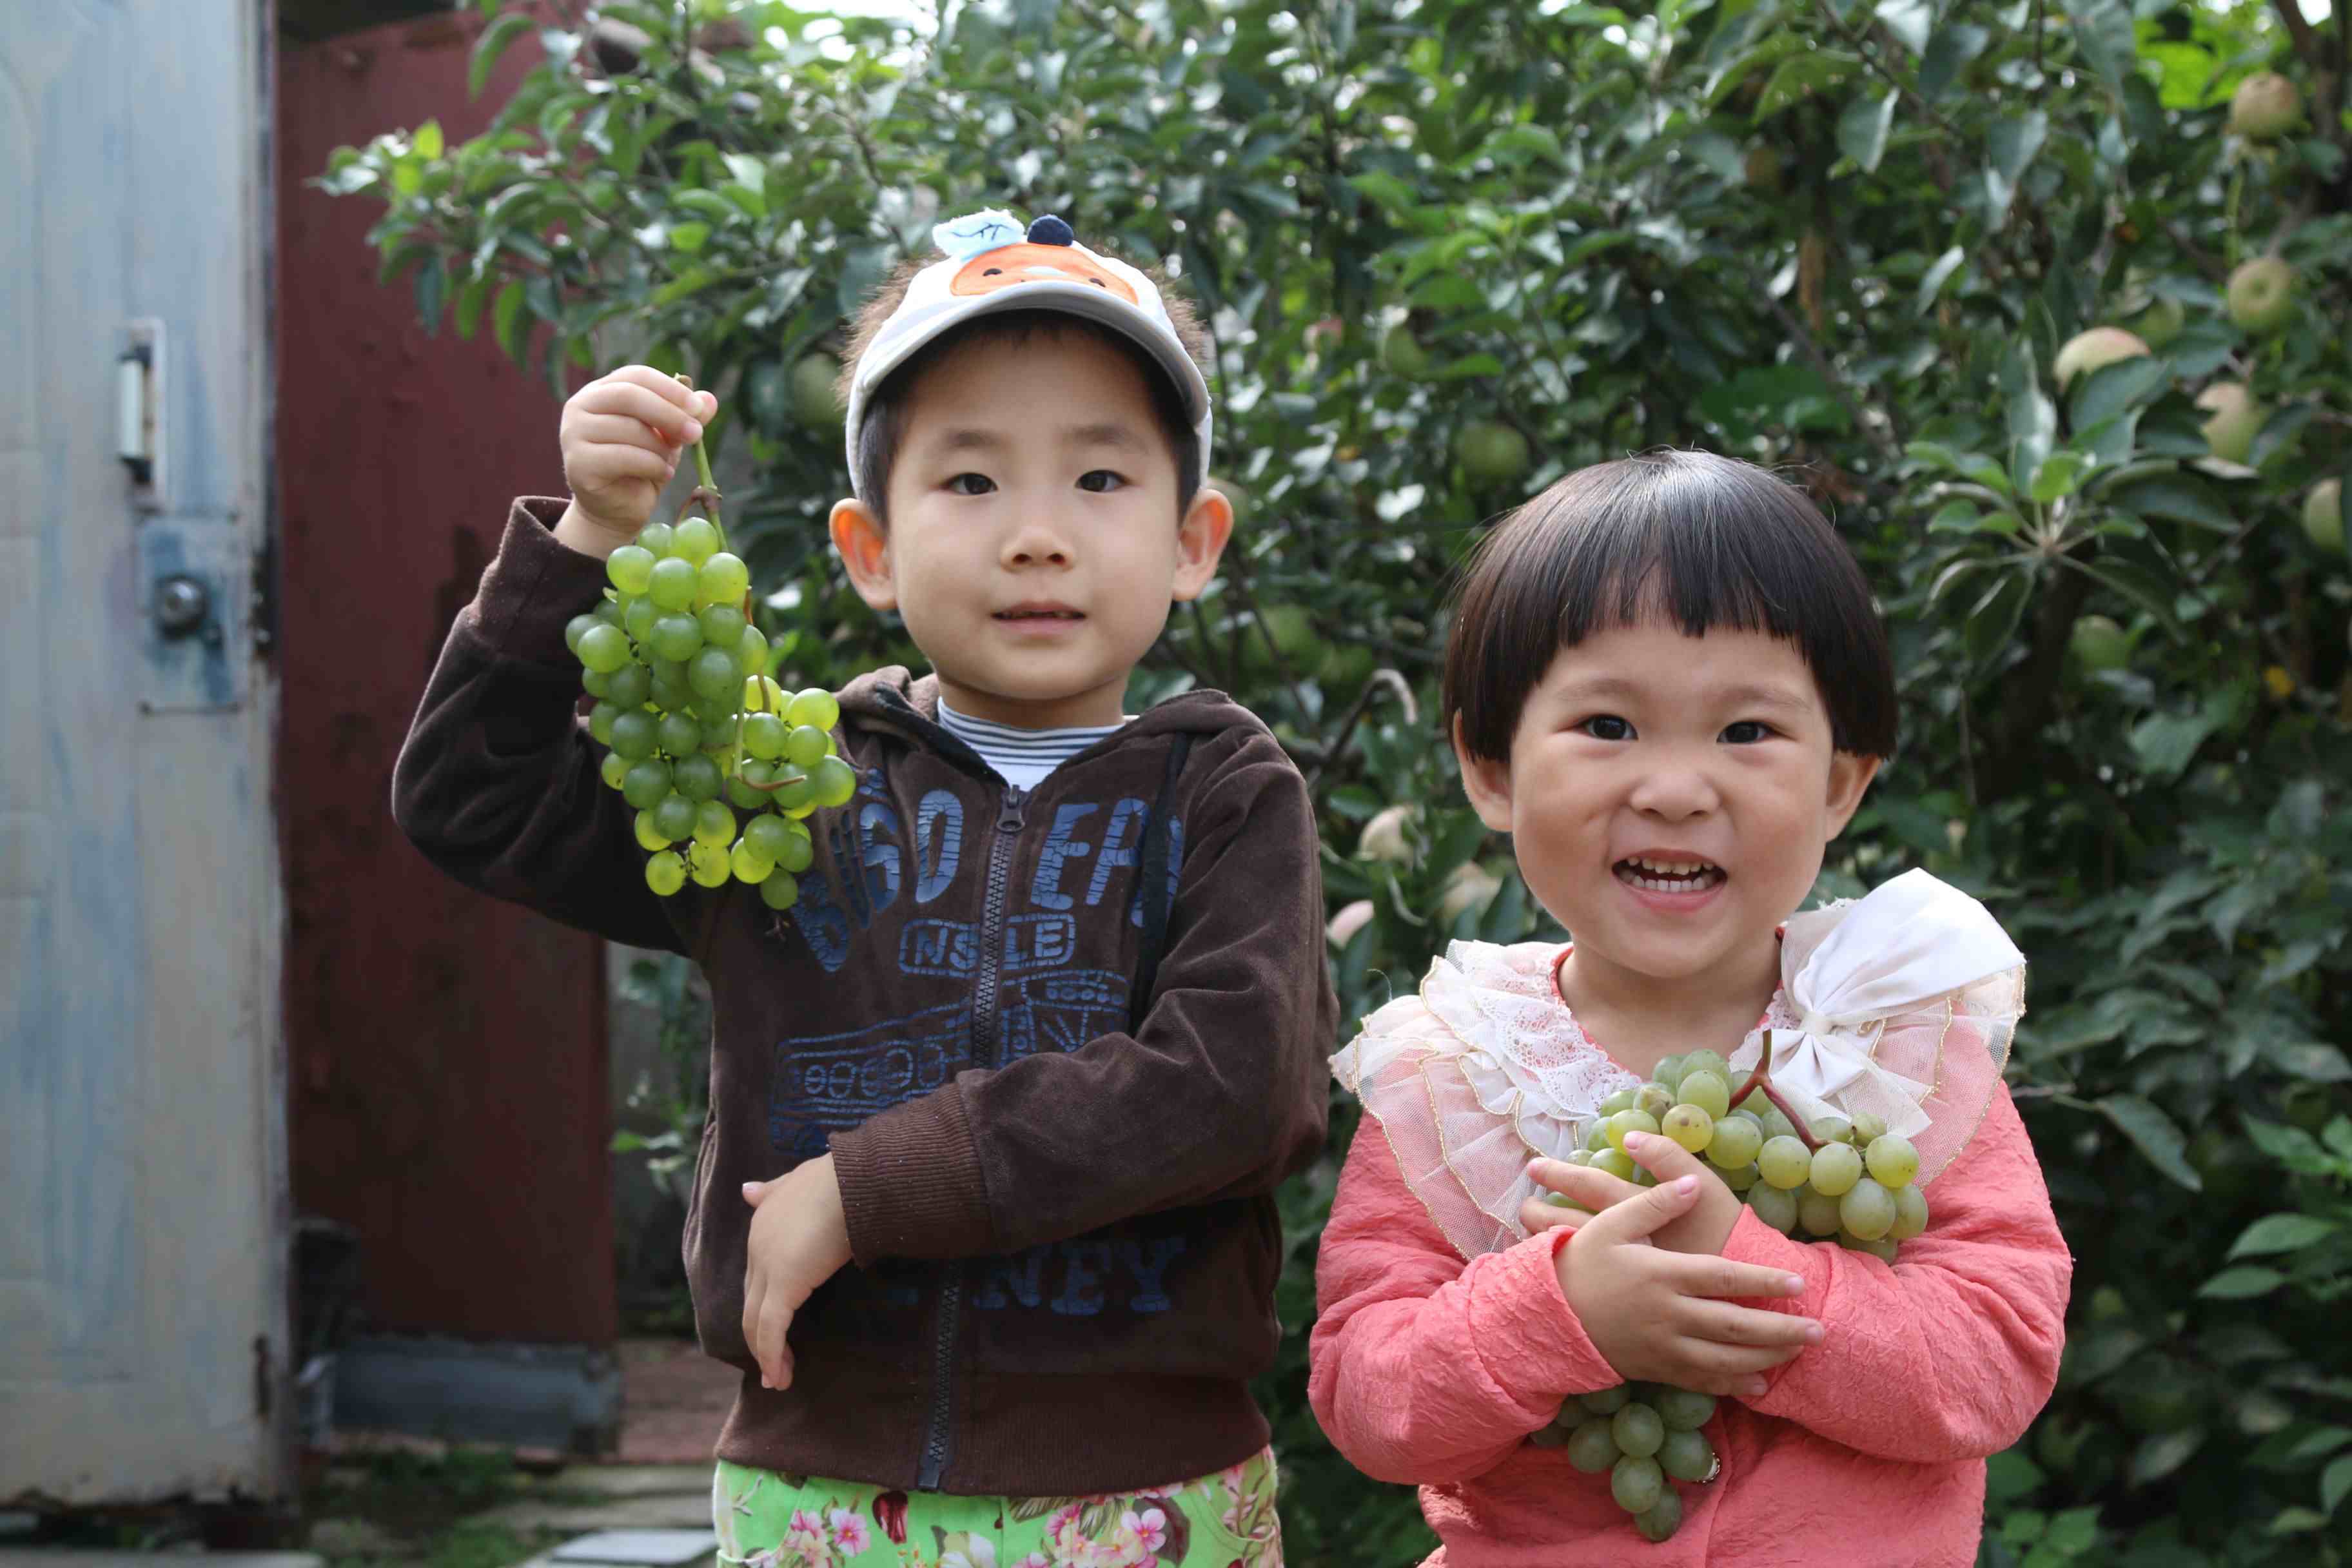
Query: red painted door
x,y
447,1052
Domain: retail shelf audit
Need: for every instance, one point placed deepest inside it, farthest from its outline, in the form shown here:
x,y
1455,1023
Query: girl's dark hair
x,y
1705,541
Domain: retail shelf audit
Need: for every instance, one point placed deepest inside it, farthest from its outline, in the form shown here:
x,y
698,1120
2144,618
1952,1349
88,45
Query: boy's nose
x,y
1036,543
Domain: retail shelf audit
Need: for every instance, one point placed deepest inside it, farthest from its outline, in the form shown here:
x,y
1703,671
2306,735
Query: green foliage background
x,y
1837,237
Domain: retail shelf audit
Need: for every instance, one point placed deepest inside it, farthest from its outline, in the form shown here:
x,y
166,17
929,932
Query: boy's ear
x,y
865,550
1201,541
1850,777
1487,781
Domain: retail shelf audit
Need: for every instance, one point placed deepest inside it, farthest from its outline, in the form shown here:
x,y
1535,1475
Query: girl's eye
x,y
1747,731
971,485
1607,726
1101,481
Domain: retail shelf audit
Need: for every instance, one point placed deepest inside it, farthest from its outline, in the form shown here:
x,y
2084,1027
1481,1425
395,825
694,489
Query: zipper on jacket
x,y
985,1010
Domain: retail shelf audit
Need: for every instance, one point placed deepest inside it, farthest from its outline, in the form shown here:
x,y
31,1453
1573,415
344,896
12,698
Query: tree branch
x,y
2306,42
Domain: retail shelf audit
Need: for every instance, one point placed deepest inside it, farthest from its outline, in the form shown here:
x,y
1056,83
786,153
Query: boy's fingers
x,y
754,1296
631,401
612,460
775,1322
667,388
619,430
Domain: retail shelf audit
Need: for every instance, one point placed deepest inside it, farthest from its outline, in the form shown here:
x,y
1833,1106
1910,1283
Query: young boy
x,y
983,1207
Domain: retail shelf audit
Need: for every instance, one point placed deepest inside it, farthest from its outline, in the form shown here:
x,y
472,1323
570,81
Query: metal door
x,y
142,1341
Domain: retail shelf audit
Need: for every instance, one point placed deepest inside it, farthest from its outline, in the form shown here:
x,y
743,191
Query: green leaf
x,y
1863,128
427,140
2102,33
2057,476
1948,54
688,237
2014,140
1802,77
1909,20
2074,1531
2335,1483
2282,1233
2112,388
1931,283
432,288
2243,1283
2154,1135
2291,1146
2179,498
470,300
491,45
2159,1456
505,312
2165,743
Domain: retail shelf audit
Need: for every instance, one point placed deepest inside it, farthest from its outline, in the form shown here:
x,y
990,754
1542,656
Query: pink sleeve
x,y
1950,1353
1425,1369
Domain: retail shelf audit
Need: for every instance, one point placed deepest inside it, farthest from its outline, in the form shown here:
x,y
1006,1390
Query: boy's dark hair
x,y
1709,541
885,428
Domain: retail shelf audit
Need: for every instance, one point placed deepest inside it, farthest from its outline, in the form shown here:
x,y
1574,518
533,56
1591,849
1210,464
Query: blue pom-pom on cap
x,y
1051,230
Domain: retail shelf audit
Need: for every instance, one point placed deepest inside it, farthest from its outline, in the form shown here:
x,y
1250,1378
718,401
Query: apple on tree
x,y
2093,350
2262,294
2265,106
2236,419
2323,515
1493,453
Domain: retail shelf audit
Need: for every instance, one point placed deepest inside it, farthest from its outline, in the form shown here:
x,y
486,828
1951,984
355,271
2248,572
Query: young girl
x,y
1666,682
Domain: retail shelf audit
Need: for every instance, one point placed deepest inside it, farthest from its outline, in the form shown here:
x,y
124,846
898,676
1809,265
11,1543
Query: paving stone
x,y
636,1480
353,1538
68,1557
663,1512
640,1548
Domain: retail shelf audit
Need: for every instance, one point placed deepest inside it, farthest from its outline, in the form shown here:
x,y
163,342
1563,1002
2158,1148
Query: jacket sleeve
x,y
1950,1353
1222,1094
1425,1369
496,784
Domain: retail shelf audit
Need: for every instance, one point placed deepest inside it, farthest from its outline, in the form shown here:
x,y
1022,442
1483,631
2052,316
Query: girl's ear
x,y
865,550
1487,781
1850,777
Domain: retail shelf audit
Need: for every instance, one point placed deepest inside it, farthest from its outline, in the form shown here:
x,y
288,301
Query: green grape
x,y
1707,1089
1832,1128
1868,1130
835,781
763,695
715,675
614,769
1739,1178
1776,1206
723,625
1656,1099
1626,1121
1596,1137
767,833
1620,1100
740,793
780,891
679,735
1892,1159
1644,1176
648,836
596,683
631,568
1784,1162
674,818
709,865
1668,1073
609,611
634,737
673,583
798,855
671,693
695,541
718,733
749,865
1659,1521
715,825
647,784
577,627
1687,1455
603,648
600,723
763,736
1775,1124
1615,1162
665,873
1636,1483
697,778
1910,1212
629,686
807,746
1562,1201
752,650
1706,1061
1637,1430
639,618
1606,1401
1817,1213
1748,1113
1689,1126
1736,1143
1884,1249
1868,1209
725,579
1591,1448
654,539
1683,1410
1836,1168
796,795
676,638
813,706
1576,1157
1548,1436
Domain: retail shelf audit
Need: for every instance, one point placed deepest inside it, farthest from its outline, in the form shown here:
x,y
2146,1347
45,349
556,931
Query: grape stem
x,y
1760,1080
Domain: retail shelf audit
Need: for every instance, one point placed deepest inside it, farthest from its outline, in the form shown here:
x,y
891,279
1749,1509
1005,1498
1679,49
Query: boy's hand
x,y
799,1240
622,435
1658,1316
1703,1229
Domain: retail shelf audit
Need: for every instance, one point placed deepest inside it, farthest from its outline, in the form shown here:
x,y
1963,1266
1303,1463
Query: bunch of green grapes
x,y
696,730
1646,1435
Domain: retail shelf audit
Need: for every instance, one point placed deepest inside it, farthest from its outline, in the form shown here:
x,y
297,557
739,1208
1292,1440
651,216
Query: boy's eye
x,y
1607,726
971,485
1747,731
1101,481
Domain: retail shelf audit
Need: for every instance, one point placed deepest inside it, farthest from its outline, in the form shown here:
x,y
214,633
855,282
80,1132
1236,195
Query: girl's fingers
x,y
1700,1275
1537,1216
1591,1189
1664,1158
1724,1323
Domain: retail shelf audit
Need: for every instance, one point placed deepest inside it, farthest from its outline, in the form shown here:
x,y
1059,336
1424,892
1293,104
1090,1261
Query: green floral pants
x,y
769,1520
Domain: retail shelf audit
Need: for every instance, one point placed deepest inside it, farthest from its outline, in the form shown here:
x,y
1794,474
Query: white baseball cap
x,y
994,264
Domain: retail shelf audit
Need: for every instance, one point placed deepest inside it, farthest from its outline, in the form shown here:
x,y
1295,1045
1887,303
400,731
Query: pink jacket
x,y
1869,1449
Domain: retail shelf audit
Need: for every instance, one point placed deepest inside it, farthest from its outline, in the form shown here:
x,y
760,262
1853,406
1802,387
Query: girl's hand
x,y
1704,1229
1659,1316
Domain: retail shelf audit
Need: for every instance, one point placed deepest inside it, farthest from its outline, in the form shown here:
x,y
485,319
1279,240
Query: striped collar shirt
x,y
1022,757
